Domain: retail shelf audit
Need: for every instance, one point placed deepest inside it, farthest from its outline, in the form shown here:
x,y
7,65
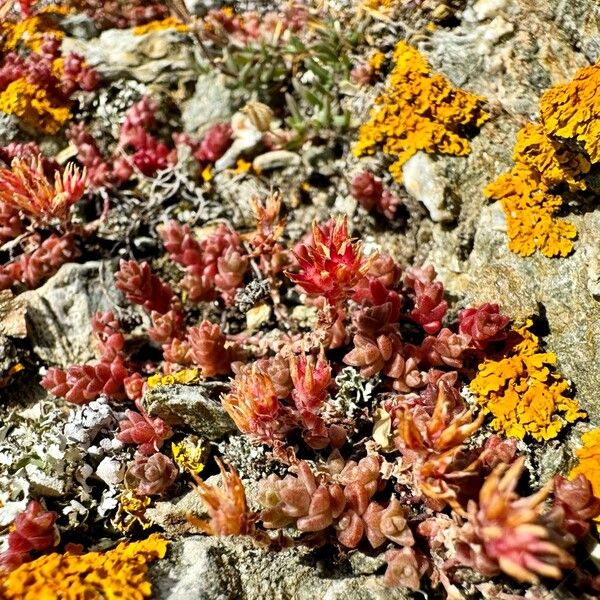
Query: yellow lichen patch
x,y
572,111
554,162
419,110
541,164
384,5
185,377
168,23
131,512
33,106
376,60
189,456
28,33
530,212
117,573
521,392
589,460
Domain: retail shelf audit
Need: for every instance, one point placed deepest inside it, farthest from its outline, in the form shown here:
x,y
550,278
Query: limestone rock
x,y
59,313
425,182
210,104
156,57
195,406
210,568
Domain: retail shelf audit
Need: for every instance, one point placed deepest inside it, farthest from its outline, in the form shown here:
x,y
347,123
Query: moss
x,y
419,110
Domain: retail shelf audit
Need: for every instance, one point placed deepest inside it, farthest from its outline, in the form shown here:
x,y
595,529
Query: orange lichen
x,y
522,394
543,162
572,111
376,60
589,460
419,110
168,23
28,33
33,106
118,573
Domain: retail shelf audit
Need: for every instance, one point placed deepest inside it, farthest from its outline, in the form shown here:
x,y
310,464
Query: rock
x,y
9,129
425,182
172,515
79,26
156,57
486,9
12,315
59,313
558,289
192,405
250,140
210,104
276,159
211,568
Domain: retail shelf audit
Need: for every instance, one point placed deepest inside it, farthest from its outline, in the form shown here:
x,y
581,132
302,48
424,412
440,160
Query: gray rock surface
x,y
157,57
196,406
59,312
210,104
202,568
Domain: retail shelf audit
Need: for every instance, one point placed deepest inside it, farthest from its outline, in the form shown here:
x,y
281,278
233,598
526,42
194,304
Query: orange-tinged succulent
x,y
117,573
522,394
226,505
332,264
310,378
513,534
419,110
25,186
572,111
254,406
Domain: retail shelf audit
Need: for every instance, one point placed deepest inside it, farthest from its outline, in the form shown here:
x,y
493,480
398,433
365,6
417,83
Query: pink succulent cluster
x,y
31,202
251,26
515,535
34,530
331,264
81,384
151,475
373,196
40,259
214,264
108,14
272,397
378,346
339,501
213,144
39,69
484,325
137,149
28,151
147,433
204,345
